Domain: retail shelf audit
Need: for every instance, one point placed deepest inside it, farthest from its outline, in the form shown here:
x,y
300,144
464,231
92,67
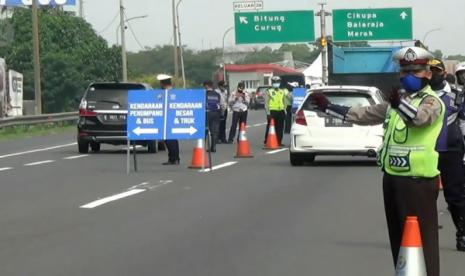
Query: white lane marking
x,y
112,198
257,125
75,157
5,169
37,150
39,163
149,187
277,151
227,164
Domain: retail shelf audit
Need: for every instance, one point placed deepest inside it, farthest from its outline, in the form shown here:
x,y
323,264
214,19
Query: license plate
x,y
335,122
114,117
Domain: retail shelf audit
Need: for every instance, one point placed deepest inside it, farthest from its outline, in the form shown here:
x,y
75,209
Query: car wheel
x,y
95,147
152,147
310,158
296,159
83,146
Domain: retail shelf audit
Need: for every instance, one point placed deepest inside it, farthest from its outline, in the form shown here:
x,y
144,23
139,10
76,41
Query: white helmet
x,y
460,73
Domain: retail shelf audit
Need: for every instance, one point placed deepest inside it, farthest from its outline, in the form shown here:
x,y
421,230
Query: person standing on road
x,y
171,145
223,90
451,149
413,119
275,105
239,102
288,100
214,103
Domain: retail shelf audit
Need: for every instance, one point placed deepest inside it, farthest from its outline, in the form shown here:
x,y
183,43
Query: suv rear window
x,y
111,94
352,99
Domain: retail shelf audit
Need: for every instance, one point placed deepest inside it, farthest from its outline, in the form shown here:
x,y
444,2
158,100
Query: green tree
x,y
72,56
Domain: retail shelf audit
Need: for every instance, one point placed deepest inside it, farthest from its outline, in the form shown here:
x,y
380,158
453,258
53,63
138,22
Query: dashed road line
x,y
277,151
75,157
5,169
39,163
112,198
37,150
227,164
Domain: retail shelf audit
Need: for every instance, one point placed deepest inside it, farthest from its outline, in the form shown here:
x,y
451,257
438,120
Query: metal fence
x,y
38,119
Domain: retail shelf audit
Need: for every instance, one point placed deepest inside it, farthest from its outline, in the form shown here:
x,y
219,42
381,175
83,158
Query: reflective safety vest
x,y
410,151
276,99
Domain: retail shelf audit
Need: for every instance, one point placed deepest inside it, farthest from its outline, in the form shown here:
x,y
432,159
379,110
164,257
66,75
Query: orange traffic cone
x,y
411,261
199,157
272,139
243,146
440,183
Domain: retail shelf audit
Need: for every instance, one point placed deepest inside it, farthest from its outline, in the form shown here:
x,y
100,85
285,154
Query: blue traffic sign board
x,y
166,114
299,96
14,3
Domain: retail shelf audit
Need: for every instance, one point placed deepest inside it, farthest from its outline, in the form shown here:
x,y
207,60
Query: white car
x,y
316,133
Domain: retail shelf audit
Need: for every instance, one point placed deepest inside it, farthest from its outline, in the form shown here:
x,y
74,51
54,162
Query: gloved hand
x,y
320,100
394,97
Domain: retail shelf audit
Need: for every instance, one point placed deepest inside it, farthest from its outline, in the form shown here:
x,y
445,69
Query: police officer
x,y
288,100
413,119
214,102
451,149
239,103
275,106
223,90
171,145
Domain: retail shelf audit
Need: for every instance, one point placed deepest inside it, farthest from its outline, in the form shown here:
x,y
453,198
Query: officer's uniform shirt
x,y
451,136
239,104
213,100
224,98
428,112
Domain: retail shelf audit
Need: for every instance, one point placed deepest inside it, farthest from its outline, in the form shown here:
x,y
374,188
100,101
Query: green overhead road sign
x,y
274,27
372,24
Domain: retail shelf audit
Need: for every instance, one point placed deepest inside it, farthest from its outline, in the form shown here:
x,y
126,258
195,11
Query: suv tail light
x,y
300,118
84,112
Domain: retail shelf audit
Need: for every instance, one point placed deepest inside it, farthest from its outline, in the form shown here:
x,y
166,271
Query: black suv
x,y
102,116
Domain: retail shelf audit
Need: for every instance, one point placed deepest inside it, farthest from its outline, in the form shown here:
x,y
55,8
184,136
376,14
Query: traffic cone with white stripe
x,y
272,139
411,260
243,146
199,156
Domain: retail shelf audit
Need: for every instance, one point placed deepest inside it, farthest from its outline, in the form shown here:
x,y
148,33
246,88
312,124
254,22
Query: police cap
x,y
413,58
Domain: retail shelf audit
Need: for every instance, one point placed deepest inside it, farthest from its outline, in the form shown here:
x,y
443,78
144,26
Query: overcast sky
x,y
203,22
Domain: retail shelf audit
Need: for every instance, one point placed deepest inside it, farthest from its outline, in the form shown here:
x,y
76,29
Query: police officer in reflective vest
x,y
214,104
413,119
451,149
275,105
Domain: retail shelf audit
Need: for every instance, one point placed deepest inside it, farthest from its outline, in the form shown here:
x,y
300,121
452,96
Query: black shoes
x,y
461,243
175,162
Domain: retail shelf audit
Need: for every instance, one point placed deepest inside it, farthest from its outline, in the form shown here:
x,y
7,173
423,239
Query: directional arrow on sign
x,y
138,131
403,15
243,20
191,130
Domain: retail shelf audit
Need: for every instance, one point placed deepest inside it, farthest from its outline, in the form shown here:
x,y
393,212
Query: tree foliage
x,y
72,56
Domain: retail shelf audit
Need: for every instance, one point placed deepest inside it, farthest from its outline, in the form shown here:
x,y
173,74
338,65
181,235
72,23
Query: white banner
x,y
15,99
3,100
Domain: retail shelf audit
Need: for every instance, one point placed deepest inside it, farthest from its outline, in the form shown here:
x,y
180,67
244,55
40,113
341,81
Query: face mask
x,y
275,85
412,84
437,81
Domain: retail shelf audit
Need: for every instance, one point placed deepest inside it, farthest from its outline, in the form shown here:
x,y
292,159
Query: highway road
x,y
62,213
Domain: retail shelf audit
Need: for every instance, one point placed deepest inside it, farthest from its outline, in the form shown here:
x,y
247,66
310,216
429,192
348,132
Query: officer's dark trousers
x,y
222,131
213,118
288,122
173,150
237,119
279,117
453,181
268,119
407,196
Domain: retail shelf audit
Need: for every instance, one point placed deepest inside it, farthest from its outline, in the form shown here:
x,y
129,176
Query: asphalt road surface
x,y
62,213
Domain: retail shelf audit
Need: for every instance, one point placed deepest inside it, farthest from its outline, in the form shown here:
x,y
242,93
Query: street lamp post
x,y
224,62
428,32
175,42
36,54
180,46
127,20
123,42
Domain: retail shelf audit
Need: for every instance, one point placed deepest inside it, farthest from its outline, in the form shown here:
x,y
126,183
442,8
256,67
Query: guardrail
x,y
38,119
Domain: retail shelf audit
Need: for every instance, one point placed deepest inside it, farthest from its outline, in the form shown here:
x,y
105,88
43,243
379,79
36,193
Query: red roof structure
x,y
262,68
